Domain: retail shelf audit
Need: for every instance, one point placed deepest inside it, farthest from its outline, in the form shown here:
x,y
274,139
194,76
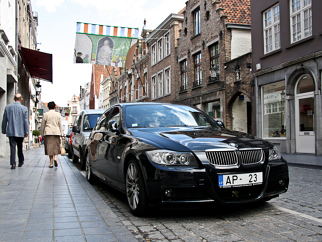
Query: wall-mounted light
x,y
237,71
38,88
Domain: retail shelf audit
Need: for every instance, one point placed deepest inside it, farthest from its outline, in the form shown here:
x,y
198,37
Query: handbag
x,y
62,149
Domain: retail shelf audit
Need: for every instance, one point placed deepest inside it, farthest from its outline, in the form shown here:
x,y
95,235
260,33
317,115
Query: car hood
x,y
199,139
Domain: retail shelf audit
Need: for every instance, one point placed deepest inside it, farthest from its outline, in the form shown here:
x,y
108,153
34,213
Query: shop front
x,y
289,108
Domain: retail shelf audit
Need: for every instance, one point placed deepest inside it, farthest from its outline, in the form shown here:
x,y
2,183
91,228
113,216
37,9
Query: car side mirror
x,y
113,126
76,129
221,124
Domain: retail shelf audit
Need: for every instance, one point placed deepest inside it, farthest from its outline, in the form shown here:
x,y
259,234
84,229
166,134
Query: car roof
x,y
148,103
93,111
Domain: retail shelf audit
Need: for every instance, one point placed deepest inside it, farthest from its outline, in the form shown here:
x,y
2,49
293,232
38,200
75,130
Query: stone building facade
x,y
287,64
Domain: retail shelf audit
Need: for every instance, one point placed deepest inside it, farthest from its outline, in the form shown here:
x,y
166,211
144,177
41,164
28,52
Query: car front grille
x,y
235,157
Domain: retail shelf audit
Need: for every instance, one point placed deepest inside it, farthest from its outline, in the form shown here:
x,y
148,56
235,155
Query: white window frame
x,y
198,68
167,44
167,82
145,85
153,87
300,19
271,26
154,54
160,84
196,22
184,74
160,50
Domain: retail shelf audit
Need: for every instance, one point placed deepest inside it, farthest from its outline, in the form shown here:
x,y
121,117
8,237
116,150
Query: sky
x,y
57,32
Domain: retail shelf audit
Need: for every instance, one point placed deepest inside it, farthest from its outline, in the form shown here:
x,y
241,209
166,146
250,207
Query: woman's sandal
x,y
56,164
51,166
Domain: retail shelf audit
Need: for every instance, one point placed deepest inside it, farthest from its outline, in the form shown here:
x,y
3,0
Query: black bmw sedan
x,y
159,153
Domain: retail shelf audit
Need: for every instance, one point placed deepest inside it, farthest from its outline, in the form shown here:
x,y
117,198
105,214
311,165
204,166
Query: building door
x,y
304,115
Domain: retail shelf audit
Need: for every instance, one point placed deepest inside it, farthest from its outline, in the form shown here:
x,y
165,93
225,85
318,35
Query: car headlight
x,y
274,154
171,158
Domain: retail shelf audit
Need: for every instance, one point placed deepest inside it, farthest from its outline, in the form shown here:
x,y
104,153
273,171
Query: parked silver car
x,y
82,128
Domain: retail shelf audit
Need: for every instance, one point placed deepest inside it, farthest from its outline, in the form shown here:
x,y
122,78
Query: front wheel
x,y
135,189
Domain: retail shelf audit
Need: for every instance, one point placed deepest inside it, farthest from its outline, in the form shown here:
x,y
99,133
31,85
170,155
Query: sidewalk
x,y
303,160
42,204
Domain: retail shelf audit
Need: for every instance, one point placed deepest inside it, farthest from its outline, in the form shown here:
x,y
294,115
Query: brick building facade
x,y
201,57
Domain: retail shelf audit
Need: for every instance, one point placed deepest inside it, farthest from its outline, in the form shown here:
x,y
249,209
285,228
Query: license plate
x,y
239,180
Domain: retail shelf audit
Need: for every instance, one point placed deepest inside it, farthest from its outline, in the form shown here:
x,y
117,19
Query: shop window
x,y
213,109
274,120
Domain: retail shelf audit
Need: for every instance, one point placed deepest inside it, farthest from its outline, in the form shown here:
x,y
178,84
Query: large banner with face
x,y
103,44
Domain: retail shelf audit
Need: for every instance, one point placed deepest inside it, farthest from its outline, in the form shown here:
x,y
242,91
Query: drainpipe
x,y
16,44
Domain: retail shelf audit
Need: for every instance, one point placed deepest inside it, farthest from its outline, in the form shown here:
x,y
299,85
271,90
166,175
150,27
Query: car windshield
x,y
90,121
159,115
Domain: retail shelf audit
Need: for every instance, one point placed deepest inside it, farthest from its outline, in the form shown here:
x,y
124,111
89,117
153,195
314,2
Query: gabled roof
x,y
237,11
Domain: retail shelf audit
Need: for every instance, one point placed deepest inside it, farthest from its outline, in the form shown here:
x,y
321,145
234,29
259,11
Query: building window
x,y
196,22
214,57
160,84
271,29
74,109
273,110
167,78
145,85
301,19
198,70
160,50
154,55
167,44
184,78
154,88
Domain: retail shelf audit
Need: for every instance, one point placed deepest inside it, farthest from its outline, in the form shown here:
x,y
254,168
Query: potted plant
x,y
35,134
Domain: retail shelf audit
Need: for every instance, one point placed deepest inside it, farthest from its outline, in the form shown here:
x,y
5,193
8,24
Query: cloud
x,y
50,5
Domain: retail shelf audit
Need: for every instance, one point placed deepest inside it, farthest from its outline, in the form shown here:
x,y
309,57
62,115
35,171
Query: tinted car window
x,y
166,116
90,121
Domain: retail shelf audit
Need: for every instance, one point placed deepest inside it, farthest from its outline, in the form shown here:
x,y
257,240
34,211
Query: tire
x,y
88,170
70,151
74,157
135,189
82,161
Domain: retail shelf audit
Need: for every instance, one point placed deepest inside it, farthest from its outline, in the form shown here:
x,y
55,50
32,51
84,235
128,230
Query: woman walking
x,y
51,130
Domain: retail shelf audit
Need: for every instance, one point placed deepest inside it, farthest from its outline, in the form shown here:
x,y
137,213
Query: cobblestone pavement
x,y
294,216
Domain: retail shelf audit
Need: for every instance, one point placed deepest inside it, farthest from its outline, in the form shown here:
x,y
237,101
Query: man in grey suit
x,y
15,125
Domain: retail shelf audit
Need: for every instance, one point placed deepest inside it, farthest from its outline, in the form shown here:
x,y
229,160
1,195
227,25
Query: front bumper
x,y
188,185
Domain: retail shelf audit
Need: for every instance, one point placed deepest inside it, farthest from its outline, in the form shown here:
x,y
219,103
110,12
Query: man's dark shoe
x,y
13,167
20,164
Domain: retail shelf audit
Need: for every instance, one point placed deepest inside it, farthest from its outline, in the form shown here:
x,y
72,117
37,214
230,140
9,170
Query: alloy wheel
x,y
132,186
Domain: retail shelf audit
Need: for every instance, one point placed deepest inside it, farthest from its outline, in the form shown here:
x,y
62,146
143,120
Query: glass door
x,y
305,142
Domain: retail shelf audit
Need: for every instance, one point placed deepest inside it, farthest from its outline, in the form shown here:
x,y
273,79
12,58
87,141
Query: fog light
x,y
281,183
168,193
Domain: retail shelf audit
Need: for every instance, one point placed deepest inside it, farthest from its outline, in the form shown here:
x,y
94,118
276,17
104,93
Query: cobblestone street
x,y
294,216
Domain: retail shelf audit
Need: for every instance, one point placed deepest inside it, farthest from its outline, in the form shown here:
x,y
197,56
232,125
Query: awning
x,y
39,64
